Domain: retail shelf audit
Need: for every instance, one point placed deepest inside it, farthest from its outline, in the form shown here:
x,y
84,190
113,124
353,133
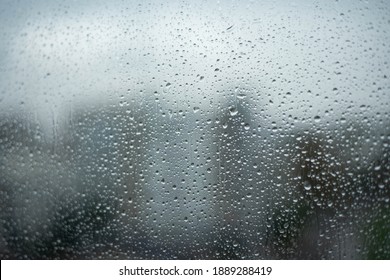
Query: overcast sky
x,y
328,55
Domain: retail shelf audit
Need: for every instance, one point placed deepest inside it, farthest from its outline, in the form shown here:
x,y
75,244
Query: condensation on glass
x,y
194,130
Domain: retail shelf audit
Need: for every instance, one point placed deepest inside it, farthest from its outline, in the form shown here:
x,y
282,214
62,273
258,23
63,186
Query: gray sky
x,y
329,55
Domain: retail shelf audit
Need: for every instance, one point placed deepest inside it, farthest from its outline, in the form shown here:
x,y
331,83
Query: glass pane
x,y
194,130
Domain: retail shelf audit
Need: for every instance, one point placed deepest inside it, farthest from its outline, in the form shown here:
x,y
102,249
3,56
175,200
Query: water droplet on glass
x,y
307,186
317,118
233,111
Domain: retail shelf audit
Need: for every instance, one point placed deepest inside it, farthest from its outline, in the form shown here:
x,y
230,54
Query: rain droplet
x,y
241,96
307,186
233,111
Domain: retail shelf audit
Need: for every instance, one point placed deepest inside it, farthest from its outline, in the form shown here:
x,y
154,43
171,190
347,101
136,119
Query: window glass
x,y
194,130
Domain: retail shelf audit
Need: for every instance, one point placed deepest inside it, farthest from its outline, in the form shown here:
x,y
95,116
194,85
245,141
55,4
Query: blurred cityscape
x,y
128,182
207,130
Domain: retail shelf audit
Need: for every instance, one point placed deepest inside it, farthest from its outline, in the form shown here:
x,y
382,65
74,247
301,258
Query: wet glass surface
x,y
194,130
